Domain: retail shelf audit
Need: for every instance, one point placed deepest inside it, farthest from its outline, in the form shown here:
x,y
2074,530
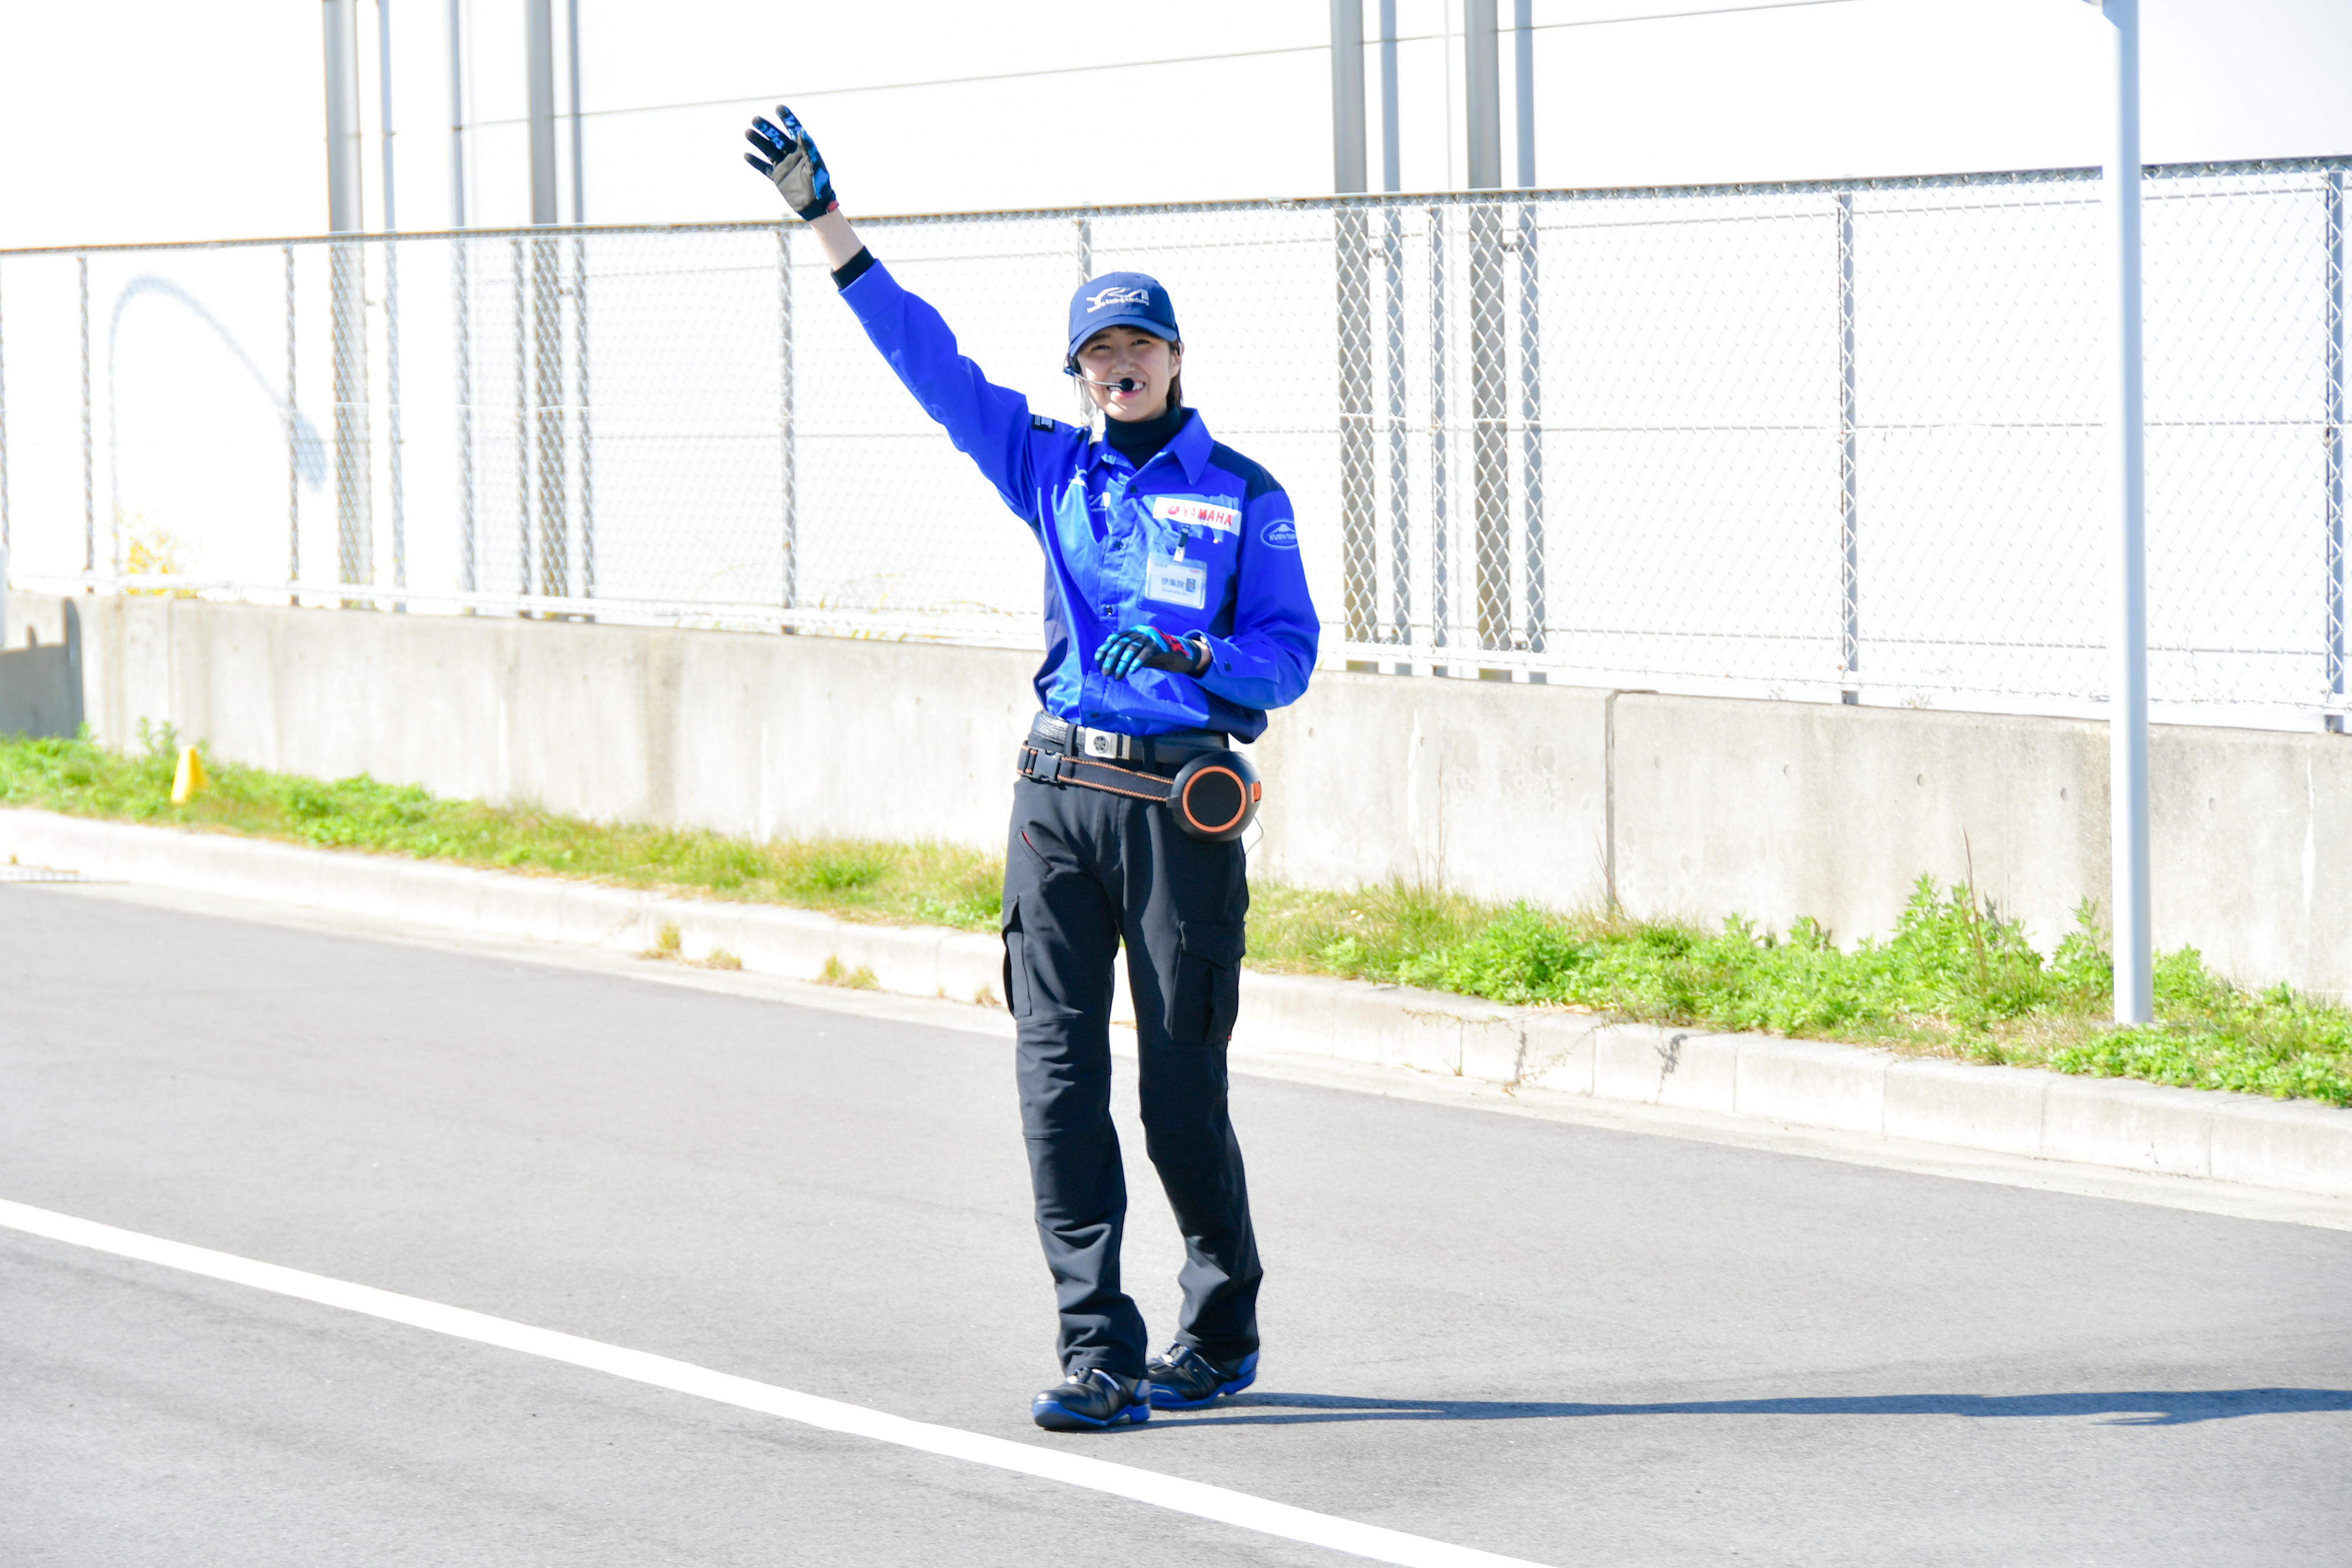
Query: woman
x,y
1177,613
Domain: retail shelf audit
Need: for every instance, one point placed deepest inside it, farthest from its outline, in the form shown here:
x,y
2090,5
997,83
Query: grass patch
x,y
1955,978
837,973
925,883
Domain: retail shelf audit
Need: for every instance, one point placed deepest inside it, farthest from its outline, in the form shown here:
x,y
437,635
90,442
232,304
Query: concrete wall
x,y
40,665
1693,806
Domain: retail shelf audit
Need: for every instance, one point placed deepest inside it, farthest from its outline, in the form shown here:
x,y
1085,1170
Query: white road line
x,y
1170,1493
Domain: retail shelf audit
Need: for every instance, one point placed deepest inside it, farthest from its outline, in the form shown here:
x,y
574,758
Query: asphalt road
x,y
1564,1343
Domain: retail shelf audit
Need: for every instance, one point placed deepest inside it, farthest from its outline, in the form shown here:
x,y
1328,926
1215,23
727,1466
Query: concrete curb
x,y
2285,1146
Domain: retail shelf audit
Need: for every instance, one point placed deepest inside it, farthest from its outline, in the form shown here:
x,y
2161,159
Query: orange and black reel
x,y
1215,796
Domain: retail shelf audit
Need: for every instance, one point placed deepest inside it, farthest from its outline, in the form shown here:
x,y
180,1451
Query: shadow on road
x,y
2170,1408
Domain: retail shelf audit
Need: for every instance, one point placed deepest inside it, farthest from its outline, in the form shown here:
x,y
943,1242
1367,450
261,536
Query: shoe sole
x,y
1248,1375
1061,1418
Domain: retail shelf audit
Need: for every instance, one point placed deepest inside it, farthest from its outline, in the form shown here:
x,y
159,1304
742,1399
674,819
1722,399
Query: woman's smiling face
x,y
1129,353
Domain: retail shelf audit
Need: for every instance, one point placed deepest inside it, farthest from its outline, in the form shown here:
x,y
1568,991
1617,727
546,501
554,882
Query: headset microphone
x,y
1123,384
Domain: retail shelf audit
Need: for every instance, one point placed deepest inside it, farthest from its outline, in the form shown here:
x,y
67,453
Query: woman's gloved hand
x,y
1149,648
790,158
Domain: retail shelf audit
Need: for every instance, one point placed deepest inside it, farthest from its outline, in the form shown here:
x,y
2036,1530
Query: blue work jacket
x,y
1199,539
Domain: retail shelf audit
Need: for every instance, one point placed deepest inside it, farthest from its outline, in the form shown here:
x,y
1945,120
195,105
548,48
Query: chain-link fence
x,y
1805,440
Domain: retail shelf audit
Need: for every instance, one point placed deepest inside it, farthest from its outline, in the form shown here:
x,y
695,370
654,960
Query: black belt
x,y
1215,792
1047,733
1061,768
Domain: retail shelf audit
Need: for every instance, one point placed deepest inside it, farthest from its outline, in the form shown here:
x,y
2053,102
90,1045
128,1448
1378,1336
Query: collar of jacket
x,y
1188,447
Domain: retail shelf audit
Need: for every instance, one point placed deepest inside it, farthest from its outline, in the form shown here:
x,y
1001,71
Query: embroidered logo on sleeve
x,y
1279,534
1039,422
1189,512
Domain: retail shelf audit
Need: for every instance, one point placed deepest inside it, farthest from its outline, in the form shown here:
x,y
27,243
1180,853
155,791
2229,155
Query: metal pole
x,y
546,305
1482,95
1400,443
523,576
89,449
1400,440
1352,244
344,194
1531,421
456,115
1850,578
1523,74
539,27
390,303
790,435
579,176
384,103
2335,441
461,284
2126,457
1390,144
354,543
1347,96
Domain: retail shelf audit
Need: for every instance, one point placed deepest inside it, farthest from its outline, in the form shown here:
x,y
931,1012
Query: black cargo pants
x,y
1084,868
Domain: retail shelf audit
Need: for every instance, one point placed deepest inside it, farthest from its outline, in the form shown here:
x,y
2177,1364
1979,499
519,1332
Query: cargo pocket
x,y
1016,964
1208,982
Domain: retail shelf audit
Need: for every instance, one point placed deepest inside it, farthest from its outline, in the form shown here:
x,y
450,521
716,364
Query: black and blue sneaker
x,y
1181,1378
1091,1400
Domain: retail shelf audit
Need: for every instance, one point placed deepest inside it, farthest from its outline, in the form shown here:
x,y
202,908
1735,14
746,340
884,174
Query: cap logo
x,y
1117,294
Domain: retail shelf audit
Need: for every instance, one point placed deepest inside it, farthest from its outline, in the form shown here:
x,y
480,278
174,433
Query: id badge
x,y
1185,583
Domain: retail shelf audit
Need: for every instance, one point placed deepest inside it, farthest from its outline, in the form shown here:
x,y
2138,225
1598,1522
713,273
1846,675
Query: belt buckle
x,y
1101,743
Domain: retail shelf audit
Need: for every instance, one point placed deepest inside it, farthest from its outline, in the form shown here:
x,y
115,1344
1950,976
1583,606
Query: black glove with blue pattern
x,y
790,158
1149,648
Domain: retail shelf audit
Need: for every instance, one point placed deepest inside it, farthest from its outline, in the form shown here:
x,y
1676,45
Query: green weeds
x,y
1955,978
927,882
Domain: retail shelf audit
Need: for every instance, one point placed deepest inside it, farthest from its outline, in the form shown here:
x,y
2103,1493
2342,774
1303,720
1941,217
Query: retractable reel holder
x,y
1215,796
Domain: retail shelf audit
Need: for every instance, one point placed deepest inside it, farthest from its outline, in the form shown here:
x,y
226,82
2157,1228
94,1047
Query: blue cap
x,y
1122,299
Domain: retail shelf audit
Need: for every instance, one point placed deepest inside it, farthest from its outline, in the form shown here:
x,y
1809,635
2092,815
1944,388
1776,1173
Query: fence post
x,y
1440,528
785,416
293,446
1850,583
1347,97
2334,442
1360,544
1400,442
1531,416
2127,780
89,449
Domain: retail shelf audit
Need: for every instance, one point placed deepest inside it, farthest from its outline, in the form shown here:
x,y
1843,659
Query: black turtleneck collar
x,y
1140,440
